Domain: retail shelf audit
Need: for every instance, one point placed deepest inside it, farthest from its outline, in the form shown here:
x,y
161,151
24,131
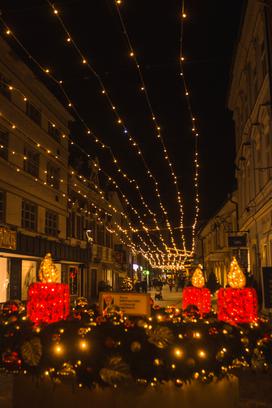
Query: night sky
x,y
210,33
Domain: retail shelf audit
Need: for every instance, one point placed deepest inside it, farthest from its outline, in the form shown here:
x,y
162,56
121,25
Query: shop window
x,y
28,276
29,215
4,136
2,207
4,280
100,234
4,86
53,175
51,223
80,227
31,161
53,131
73,279
33,113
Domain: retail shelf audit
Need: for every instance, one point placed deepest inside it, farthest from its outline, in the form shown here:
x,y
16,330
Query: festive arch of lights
x,y
178,256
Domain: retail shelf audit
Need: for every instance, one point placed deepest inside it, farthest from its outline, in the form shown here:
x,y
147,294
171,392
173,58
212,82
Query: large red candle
x,y
200,297
197,295
237,304
48,301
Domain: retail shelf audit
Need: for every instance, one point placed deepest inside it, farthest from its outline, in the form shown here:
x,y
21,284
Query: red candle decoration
x,y
237,304
48,301
197,295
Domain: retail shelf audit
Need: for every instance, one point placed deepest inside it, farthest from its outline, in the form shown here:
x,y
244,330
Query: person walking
x,y
170,284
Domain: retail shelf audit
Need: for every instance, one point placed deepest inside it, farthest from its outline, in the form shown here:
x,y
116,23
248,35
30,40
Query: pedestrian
x,y
170,284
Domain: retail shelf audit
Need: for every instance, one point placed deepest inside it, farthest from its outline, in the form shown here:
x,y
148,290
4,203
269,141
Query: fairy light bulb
x,y
198,280
236,277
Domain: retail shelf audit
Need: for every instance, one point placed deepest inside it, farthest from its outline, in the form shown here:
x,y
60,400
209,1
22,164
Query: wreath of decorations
x,y
116,350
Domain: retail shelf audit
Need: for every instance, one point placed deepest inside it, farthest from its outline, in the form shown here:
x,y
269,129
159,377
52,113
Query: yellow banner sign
x,y
134,304
7,238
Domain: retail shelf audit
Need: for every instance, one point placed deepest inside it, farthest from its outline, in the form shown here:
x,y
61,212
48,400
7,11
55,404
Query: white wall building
x,y
250,101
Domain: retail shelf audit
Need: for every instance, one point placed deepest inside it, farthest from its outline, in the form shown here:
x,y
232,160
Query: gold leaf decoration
x,y
32,351
161,336
116,371
135,346
67,370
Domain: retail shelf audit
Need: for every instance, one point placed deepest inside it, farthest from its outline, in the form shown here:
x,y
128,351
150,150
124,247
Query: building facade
x,y
250,102
220,239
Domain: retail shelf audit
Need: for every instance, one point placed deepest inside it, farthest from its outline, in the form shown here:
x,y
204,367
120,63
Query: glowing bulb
x,y
202,354
184,15
58,349
8,32
84,61
132,54
178,352
68,39
56,11
83,345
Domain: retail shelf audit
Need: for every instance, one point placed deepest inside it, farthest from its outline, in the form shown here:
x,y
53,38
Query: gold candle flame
x,y
198,280
236,277
48,271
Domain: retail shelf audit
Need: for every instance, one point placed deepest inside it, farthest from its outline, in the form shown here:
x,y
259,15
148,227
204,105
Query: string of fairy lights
x,y
84,180
119,120
169,252
100,143
144,227
154,120
195,132
143,89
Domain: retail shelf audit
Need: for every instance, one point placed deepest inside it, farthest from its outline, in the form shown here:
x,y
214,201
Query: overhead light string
x,y
156,125
47,71
195,132
119,120
49,152
98,142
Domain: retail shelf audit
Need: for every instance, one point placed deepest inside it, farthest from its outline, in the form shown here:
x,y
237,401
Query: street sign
x,y
237,241
267,286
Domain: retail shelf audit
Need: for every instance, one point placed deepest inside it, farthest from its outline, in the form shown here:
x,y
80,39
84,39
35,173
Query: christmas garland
x,y
114,350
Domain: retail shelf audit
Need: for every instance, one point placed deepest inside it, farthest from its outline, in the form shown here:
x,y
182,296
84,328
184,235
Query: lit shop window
x,y
4,280
28,276
73,279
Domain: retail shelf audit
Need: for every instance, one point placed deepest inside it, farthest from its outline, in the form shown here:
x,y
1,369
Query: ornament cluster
x,y
113,350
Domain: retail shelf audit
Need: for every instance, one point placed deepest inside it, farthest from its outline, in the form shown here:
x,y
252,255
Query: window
x,y
31,162
33,113
79,227
29,215
53,175
4,144
53,131
73,279
4,86
51,223
2,207
100,234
